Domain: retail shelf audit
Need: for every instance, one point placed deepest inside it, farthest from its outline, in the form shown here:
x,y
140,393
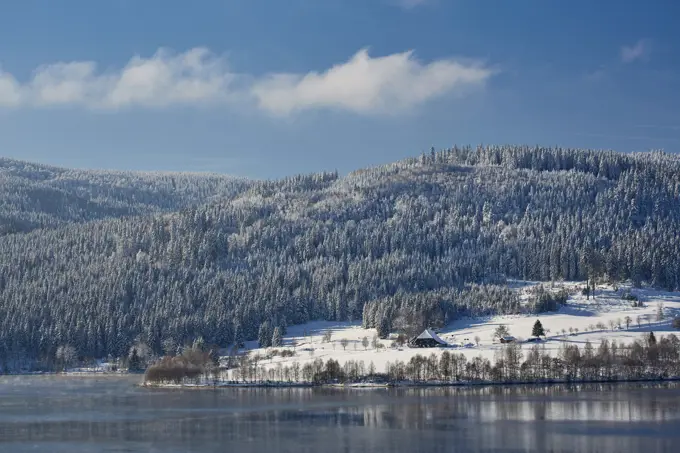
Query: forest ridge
x,y
101,260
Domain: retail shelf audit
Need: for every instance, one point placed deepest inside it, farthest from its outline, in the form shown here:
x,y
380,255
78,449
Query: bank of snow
x,y
606,307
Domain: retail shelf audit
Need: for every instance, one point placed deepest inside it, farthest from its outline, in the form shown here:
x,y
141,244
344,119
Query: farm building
x,y
508,339
427,339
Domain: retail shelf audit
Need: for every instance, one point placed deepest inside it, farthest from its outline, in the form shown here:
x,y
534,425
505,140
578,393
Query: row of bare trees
x,y
643,359
648,359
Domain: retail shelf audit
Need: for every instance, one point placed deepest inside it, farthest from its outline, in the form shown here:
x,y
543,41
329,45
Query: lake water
x,y
69,414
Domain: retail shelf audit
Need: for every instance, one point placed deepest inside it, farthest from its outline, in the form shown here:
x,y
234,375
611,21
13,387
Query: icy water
x,y
60,414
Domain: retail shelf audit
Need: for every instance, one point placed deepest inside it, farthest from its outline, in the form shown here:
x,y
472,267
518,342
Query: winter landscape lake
x,y
112,414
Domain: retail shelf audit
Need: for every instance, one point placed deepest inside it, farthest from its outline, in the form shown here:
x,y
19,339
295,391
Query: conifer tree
x,y
135,363
538,330
264,337
277,338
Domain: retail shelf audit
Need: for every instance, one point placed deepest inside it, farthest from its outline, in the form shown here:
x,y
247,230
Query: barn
x,y
427,339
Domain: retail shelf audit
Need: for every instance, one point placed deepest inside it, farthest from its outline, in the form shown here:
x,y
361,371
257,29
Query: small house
x,y
427,339
508,339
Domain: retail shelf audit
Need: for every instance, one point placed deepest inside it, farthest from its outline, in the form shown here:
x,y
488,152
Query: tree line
x,y
647,359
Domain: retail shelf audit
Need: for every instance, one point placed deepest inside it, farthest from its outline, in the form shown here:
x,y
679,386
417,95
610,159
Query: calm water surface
x,y
60,414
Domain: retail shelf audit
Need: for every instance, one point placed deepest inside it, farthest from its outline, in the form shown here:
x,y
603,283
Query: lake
x,y
111,414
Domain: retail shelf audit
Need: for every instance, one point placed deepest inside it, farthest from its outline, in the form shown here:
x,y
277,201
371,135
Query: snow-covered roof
x,y
427,333
508,338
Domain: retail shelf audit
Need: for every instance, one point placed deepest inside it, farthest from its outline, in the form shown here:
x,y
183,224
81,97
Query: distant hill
x,y
418,242
40,196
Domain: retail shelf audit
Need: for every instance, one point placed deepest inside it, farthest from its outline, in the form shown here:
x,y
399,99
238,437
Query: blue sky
x,y
272,88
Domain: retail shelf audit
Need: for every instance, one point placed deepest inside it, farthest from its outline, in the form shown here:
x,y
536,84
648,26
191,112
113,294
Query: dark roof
x,y
429,334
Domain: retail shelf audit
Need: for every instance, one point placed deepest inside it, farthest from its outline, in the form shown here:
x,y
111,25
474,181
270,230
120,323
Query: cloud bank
x,y
164,79
197,77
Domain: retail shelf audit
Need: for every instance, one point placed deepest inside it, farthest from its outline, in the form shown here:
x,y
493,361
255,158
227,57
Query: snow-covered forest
x,y
99,261
39,196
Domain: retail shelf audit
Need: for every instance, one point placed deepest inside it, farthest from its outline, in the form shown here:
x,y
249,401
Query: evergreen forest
x,y
101,261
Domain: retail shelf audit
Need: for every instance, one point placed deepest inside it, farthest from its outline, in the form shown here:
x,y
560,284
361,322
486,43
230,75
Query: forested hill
x,y
424,241
40,196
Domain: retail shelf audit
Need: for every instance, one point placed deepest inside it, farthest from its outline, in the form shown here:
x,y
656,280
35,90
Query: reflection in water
x,y
112,414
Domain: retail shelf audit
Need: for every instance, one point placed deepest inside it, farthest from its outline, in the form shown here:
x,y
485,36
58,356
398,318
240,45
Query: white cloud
x,y
635,52
367,85
166,78
9,90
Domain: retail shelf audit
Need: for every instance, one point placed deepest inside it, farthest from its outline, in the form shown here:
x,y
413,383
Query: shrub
x,y
627,295
191,364
543,301
172,369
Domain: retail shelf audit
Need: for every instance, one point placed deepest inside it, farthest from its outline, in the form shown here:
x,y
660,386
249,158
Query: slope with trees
x,y
417,243
40,196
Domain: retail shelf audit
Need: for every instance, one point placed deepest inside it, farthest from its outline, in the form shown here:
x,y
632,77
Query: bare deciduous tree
x,y
501,331
660,316
376,341
66,355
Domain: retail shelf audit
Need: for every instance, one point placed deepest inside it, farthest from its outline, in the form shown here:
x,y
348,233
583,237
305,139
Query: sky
x,y
271,88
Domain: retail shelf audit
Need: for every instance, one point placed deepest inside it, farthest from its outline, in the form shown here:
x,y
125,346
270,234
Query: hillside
x,y
420,242
40,196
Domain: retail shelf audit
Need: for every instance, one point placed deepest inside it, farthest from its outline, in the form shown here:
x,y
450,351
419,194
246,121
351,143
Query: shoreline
x,y
73,374
367,385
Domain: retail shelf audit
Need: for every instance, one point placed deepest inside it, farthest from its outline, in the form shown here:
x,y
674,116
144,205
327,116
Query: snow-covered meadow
x,y
576,323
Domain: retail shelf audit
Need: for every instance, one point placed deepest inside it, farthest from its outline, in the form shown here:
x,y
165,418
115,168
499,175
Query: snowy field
x,y
582,316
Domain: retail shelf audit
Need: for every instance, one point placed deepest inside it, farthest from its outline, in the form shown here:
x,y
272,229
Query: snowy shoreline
x,y
68,374
593,322
596,319
406,384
